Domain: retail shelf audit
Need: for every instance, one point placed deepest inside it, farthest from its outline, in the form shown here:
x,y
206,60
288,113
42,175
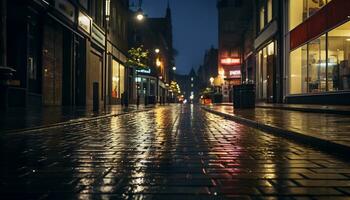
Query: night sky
x,y
194,28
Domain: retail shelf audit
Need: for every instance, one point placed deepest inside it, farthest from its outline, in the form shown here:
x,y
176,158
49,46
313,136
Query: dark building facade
x,y
233,22
209,68
269,46
155,35
189,85
58,49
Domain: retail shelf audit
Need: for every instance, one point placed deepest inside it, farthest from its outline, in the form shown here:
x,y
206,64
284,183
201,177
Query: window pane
x,y
264,73
262,18
315,5
317,65
297,13
122,78
299,10
298,71
269,10
115,79
338,58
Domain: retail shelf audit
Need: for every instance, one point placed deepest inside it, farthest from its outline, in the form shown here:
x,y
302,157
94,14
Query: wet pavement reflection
x,y
335,128
173,152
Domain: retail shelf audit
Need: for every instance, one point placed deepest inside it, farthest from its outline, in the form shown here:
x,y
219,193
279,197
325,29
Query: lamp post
x,y
139,17
107,18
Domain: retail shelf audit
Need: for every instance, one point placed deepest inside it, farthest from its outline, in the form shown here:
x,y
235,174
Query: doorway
x,y
52,61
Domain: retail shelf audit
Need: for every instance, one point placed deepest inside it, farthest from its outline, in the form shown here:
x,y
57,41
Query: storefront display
x,y
322,64
118,79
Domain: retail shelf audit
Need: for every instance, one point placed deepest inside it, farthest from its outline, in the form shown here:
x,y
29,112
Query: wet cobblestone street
x,y
170,152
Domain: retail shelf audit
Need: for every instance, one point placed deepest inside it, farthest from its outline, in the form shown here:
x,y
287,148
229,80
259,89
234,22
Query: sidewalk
x,y
328,131
16,119
331,109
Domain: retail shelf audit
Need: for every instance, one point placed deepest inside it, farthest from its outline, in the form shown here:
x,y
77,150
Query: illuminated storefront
x,y
230,72
267,46
317,66
265,72
118,81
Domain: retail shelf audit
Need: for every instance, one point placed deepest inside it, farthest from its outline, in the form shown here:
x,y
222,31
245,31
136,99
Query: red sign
x,y
230,61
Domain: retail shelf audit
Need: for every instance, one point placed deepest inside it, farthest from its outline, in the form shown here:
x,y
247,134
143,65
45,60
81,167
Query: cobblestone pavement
x,y
175,152
32,117
331,127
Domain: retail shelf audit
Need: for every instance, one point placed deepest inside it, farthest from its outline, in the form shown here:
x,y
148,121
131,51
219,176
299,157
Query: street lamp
x,y
174,68
211,80
140,16
157,51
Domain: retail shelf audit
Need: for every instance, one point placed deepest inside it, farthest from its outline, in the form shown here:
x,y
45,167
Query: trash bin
x,y
6,74
244,96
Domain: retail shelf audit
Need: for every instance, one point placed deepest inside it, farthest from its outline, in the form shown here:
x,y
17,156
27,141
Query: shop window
x,y
269,11
115,80
338,70
298,71
308,68
317,65
122,78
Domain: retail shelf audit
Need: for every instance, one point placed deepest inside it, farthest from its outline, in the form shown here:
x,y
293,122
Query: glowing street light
x,y
211,80
174,68
157,50
158,62
140,16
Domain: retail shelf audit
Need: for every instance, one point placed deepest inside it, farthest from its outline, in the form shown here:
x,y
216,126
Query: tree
x,y
175,88
138,57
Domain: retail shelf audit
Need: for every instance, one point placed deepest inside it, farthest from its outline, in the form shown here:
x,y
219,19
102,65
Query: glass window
x,y
317,65
264,73
314,6
299,10
122,78
338,70
296,13
262,18
269,10
115,79
298,71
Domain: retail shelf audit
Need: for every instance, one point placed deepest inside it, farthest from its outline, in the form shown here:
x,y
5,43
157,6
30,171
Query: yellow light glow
x,y
140,17
158,63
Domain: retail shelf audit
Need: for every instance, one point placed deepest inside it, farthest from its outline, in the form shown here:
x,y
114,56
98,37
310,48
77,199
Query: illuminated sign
x,y
144,71
84,22
230,61
235,73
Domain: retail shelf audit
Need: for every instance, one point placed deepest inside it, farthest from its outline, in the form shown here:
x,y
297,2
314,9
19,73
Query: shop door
x,y
94,75
270,78
80,71
52,64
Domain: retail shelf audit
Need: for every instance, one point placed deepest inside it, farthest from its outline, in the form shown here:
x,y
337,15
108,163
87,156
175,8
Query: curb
x,y
321,144
72,122
307,110
310,110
